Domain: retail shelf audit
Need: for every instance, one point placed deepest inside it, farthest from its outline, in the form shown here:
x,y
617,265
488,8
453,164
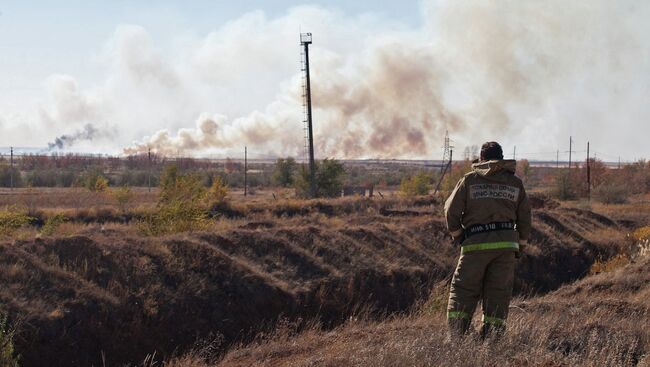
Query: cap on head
x,y
491,151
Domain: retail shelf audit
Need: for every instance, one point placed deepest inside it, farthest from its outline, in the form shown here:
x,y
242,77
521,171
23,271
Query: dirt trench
x,y
110,297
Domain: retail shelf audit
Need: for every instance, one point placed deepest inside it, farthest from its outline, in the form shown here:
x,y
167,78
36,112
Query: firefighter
x,y
489,216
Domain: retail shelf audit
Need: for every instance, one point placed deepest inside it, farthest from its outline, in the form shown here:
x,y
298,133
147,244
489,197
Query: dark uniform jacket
x,y
490,194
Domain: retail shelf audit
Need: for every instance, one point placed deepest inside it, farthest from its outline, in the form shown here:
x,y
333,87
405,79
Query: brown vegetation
x,y
108,291
599,321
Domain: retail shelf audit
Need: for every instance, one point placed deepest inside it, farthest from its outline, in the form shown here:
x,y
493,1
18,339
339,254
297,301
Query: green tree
x,y
6,172
329,179
94,180
419,184
284,171
168,177
565,186
458,170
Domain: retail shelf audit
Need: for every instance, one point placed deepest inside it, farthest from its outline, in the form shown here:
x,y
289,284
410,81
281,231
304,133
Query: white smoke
x,y
526,73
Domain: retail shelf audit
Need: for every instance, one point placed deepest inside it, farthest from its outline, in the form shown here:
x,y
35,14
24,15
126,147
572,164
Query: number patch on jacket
x,y
493,191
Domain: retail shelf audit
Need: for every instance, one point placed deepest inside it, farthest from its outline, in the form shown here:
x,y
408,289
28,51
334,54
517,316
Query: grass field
x,y
280,281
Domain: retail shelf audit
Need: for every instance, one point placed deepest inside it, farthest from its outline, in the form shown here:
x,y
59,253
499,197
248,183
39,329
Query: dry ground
x,y
603,320
103,293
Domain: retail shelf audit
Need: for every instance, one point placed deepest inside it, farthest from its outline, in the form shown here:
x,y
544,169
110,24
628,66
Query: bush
x,y
6,176
52,178
217,193
182,204
94,180
611,193
122,197
12,219
7,357
329,179
419,184
52,224
458,170
101,185
565,186
177,187
284,171
174,217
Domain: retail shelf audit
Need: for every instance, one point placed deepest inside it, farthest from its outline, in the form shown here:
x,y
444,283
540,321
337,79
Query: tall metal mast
x,y
446,153
305,41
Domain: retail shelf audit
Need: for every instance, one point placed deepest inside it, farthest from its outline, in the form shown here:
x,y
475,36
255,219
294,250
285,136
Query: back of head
x,y
491,151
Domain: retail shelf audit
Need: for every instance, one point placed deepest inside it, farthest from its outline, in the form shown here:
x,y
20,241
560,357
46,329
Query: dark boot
x,y
492,331
457,328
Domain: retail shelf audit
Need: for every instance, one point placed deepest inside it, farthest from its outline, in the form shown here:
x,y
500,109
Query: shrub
x,y
565,186
642,234
182,204
122,197
641,238
168,177
329,179
12,219
284,171
52,178
419,184
7,357
93,180
458,170
217,193
101,185
611,193
6,177
174,217
610,265
179,187
52,224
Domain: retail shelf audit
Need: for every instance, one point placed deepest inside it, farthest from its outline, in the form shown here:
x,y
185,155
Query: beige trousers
x,y
485,276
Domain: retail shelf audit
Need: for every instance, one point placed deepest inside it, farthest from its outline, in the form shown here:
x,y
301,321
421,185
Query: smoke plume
x,y
88,132
519,72
525,73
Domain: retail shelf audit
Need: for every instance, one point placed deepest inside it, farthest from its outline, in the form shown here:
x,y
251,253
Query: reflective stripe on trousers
x,y
489,246
488,320
457,315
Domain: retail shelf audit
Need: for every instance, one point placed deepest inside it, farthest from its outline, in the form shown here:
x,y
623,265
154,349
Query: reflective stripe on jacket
x,y
490,193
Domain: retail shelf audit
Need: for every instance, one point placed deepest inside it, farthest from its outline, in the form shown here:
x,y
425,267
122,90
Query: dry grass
x,y
599,321
637,210
95,284
58,199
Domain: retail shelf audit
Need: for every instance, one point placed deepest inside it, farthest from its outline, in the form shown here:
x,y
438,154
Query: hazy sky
x,y
205,77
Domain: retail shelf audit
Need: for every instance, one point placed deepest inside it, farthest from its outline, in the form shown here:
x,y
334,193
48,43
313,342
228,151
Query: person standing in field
x,y
489,216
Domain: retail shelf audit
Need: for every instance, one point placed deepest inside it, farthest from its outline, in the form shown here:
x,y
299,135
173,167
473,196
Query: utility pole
x,y
557,159
149,169
514,153
305,41
447,167
619,162
588,174
245,171
570,149
445,153
11,168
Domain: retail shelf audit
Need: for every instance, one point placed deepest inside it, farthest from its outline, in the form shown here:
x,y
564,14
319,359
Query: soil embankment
x,y
120,297
601,320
